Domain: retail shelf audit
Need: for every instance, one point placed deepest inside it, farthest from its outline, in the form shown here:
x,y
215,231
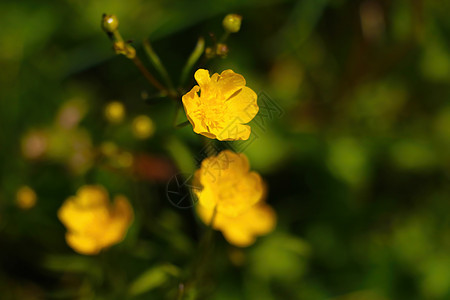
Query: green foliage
x,y
356,165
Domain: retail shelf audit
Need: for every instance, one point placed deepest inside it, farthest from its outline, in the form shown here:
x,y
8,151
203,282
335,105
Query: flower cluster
x,y
93,223
232,197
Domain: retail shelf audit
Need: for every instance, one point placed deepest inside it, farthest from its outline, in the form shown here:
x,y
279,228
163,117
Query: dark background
x,y
356,159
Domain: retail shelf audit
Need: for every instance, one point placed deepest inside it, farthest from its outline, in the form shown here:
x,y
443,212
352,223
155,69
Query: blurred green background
x,y
357,165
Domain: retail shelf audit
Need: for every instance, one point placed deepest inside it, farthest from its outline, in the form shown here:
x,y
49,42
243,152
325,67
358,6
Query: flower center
x,y
213,110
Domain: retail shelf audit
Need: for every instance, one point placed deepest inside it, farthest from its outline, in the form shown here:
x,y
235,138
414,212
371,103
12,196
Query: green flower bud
x,y
232,22
110,23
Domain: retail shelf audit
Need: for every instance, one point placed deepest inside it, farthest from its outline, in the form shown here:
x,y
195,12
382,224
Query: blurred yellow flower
x,y
242,230
143,127
93,223
226,182
26,197
218,107
115,112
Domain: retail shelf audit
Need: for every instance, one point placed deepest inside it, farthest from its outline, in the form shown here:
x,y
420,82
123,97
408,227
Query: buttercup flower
x,y
218,107
242,230
226,182
92,222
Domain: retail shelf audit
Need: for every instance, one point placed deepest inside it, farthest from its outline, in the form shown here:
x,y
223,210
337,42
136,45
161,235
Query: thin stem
x,y
205,249
206,244
122,47
224,37
193,58
180,291
154,58
137,61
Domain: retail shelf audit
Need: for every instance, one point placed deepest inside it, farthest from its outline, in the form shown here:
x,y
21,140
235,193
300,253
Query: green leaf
x,y
69,263
152,278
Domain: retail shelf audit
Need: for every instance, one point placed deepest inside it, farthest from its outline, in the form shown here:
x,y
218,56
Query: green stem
x,y
206,248
180,291
193,58
137,61
154,59
224,37
130,53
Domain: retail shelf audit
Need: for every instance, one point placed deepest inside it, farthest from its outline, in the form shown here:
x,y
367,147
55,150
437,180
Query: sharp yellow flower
x,y
242,230
227,183
218,107
92,222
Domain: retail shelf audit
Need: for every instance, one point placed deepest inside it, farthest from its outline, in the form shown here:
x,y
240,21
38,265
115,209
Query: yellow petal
x,y
74,217
234,131
238,237
227,183
261,219
243,229
207,198
245,194
83,244
114,232
230,82
191,104
231,228
191,99
243,105
202,78
242,164
91,195
122,209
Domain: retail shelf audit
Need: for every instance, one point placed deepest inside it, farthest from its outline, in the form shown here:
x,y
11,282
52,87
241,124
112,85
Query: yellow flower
x,y
92,222
26,197
226,182
242,230
143,127
218,107
115,112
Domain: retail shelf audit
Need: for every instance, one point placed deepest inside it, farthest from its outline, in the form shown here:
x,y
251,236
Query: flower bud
x,y
222,50
120,47
232,22
209,52
110,23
